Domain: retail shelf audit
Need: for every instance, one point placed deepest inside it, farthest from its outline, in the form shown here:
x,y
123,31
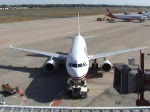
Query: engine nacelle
x,y
50,65
106,66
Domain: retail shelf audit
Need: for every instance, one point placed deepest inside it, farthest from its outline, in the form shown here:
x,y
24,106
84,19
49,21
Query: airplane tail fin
x,y
126,12
139,11
78,24
109,14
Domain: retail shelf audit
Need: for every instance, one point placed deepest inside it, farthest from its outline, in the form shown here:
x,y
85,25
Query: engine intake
x,y
106,66
50,65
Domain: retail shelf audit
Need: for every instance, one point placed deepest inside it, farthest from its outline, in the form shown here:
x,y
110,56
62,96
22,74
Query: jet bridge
x,y
136,79
14,108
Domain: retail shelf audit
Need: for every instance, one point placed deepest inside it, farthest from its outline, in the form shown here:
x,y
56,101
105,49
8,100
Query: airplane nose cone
x,y
78,73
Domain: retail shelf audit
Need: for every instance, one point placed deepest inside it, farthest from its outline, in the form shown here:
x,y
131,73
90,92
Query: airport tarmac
x,y
42,88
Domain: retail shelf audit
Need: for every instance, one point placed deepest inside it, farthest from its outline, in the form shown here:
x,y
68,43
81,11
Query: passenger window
x,y
74,65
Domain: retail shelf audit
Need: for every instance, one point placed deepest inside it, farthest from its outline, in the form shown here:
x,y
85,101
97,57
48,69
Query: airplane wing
x,y
60,56
102,55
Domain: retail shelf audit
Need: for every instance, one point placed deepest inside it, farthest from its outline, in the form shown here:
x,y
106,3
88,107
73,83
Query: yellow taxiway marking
x,y
78,103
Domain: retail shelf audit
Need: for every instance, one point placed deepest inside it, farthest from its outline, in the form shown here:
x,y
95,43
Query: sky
x,y
110,2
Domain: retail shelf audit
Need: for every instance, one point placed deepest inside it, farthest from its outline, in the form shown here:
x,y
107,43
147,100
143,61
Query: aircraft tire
x,y
96,65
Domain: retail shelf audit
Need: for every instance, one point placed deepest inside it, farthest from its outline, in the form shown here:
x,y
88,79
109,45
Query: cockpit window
x,y
75,65
84,64
80,65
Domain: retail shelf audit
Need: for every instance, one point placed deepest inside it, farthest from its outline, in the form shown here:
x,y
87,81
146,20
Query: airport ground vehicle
x,y
77,89
99,19
102,18
111,20
2,100
7,88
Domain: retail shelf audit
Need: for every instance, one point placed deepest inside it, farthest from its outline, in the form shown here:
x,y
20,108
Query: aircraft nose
x,y
78,73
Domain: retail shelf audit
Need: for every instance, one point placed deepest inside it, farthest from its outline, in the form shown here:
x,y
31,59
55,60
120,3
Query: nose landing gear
x,y
77,88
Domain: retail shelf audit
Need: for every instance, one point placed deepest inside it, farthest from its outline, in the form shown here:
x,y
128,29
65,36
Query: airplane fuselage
x,y
77,60
130,17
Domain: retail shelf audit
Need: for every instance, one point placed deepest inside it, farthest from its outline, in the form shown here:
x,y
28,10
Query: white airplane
x,y
126,17
146,15
77,60
140,12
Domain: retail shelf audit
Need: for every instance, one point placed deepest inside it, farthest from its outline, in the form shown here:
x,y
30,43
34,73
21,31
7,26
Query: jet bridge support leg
x,y
145,82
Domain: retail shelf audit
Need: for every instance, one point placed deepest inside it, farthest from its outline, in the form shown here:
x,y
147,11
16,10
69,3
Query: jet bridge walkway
x,y
14,108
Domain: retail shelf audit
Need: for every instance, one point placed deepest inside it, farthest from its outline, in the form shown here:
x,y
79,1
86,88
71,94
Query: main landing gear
x,y
94,64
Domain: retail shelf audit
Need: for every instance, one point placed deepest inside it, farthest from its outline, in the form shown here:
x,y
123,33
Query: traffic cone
x,y
21,92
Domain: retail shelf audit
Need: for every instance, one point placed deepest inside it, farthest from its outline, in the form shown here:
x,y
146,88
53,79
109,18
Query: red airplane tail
x,y
109,14
139,11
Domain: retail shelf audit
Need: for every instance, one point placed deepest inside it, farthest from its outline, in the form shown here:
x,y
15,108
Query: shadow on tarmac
x,y
45,86
5,94
93,73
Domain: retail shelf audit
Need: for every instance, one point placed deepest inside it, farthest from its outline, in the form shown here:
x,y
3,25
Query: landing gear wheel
x,y
69,92
94,64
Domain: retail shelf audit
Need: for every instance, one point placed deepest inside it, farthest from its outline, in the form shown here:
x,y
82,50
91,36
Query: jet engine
x,y
106,66
50,65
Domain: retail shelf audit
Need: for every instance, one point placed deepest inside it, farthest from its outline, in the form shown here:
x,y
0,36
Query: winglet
x,y
78,24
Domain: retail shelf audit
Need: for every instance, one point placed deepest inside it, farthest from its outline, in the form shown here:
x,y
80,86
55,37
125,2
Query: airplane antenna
x,y
78,25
